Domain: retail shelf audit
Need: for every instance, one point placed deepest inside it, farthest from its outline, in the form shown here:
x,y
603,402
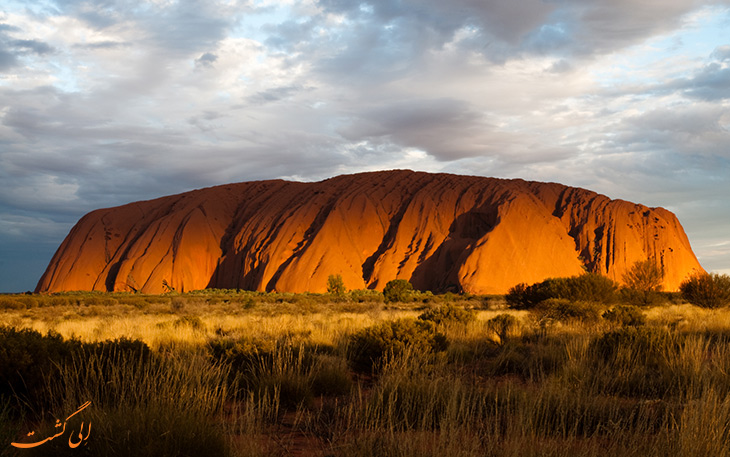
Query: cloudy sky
x,y
111,101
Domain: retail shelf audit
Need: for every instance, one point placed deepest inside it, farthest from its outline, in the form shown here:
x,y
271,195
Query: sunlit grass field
x,y
247,374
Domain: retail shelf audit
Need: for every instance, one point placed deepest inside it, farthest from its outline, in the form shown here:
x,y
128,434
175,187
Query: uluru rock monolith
x,y
442,232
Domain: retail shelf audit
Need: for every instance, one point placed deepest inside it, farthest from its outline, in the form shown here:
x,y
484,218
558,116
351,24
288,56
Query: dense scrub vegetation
x,y
709,290
589,287
560,370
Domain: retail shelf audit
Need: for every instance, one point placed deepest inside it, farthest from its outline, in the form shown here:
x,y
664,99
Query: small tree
x,y
397,290
708,290
643,282
645,275
335,285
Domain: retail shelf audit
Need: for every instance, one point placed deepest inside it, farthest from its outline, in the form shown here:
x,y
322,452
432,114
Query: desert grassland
x,y
194,326
243,374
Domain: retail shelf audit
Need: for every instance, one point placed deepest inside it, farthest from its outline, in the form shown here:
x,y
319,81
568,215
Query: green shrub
x,y
331,376
590,287
633,361
7,302
29,301
448,314
366,296
625,315
112,350
367,348
269,369
528,360
523,296
239,352
502,325
398,290
563,310
708,290
644,298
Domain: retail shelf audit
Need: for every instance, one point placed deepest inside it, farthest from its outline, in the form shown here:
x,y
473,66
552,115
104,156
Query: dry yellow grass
x,y
156,325
526,395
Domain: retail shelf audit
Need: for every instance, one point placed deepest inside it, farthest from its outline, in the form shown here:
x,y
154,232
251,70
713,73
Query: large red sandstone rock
x,y
441,232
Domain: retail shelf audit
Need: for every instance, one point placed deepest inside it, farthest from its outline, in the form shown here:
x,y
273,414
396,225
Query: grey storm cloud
x,y
206,60
179,27
107,44
384,33
11,49
712,83
274,94
709,83
34,46
695,132
447,129
7,60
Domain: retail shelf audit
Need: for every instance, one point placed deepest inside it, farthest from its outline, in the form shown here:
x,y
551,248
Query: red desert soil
x,y
441,232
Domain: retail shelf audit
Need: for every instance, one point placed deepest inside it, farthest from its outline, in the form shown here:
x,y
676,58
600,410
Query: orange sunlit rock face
x,y
441,232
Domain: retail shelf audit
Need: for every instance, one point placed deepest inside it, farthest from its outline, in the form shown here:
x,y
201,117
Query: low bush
x,y
366,296
528,360
7,302
240,353
331,376
27,359
275,369
646,343
625,315
398,290
367,348
643,298
589,287
563,310
448,314
502,325
633,362
708,290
